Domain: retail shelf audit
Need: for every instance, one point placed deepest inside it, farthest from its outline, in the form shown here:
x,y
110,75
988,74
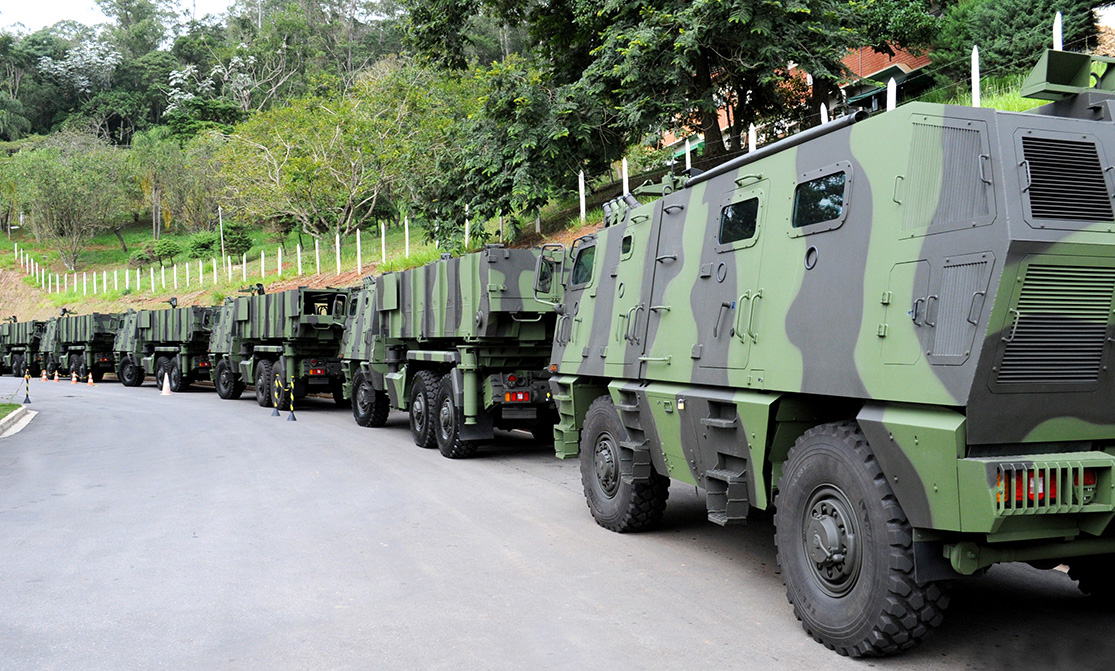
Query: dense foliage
x,y
322,117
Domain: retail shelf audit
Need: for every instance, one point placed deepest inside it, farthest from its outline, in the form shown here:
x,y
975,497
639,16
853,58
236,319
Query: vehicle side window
x,y
819,200
582,267
738,221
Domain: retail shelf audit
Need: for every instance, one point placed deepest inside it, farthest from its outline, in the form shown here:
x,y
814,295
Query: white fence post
x,y
115,280
244,265
94,284
406,234
359,257
176,277
151,272
382,242
581,182
84,284
279,262
214,271
337,243
262,263
317,256
187,265
162,273
228,259
299,250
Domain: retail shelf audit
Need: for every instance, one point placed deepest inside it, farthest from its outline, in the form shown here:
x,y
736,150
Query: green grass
x,y
8,408
999,93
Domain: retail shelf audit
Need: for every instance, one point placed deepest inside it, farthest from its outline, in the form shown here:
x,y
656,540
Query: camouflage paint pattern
x,y
19,346
474,317
955,297
301,328
79,344
181,334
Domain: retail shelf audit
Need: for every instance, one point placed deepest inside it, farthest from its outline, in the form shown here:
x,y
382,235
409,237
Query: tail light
x,y
317,371
1030,485
516,397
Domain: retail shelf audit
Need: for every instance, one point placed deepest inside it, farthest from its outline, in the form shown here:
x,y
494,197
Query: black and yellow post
x,y
290,395
26,388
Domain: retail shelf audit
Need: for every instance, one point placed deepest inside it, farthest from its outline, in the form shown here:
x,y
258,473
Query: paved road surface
x,y
146,532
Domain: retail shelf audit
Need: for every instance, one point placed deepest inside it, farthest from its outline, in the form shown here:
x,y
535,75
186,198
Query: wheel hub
x,y
606,466
419,413
446,418
830,536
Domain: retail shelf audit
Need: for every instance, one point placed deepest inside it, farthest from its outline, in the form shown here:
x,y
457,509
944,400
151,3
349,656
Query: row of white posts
x,y
89,284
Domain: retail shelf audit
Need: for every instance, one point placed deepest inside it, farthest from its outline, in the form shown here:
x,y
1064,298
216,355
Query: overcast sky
x,y
36,14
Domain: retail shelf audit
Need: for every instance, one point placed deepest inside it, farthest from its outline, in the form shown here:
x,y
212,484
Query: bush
x,y
164,250
237,240
140,257
203,245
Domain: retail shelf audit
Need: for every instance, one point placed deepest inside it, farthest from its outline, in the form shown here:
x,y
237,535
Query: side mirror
x,y
548,271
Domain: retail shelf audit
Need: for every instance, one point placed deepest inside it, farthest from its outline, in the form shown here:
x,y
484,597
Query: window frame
x,y
756,190
829,224
573,267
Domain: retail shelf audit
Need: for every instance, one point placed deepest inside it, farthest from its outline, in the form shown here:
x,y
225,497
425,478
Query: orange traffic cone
x,y
90,382
166,385
44,375
73,377
55,375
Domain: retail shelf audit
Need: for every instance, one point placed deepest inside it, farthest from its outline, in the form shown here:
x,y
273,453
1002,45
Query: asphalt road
x,y
185,532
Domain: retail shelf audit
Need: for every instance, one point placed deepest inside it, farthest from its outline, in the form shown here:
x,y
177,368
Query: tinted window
x,y
625,245
582,267
737,221
820,199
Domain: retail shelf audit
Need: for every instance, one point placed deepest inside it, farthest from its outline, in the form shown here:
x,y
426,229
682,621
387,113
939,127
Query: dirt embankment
x,y
28,302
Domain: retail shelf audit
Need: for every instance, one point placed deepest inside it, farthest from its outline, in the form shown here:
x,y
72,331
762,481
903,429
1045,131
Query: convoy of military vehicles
x,y
904,350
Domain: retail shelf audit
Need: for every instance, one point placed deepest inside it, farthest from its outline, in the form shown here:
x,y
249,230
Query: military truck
x,y
80,344
461,344
172,343
283,343
908,352
19,346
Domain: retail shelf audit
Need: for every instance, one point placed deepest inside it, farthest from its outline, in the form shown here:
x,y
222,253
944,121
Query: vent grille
x,y
1066,180
945,185
959,286
1060,326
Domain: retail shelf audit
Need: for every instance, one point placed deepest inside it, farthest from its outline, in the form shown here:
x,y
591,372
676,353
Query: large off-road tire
x,y
130,373
422,391
162,369
51,368
369,405
448,420
616,505
264,379
1093,575
846,548
18,366
280,393
82,371
228,383
177,381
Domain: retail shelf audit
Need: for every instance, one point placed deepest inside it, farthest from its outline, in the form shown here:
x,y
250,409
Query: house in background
x,y
871,71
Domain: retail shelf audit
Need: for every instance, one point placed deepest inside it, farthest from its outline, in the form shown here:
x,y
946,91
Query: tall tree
x,y
138,26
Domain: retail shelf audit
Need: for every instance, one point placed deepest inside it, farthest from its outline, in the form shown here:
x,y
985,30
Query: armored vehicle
x,y
19,347
460,343
908,351
170,343
80,344
285,342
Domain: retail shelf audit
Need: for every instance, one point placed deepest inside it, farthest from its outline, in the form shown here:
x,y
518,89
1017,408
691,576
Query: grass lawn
x,y
7,409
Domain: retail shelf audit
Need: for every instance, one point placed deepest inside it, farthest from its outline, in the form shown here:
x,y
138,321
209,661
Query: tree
x,y
154,159
323,161
72,188
12,122
138,25
1009,33
195,190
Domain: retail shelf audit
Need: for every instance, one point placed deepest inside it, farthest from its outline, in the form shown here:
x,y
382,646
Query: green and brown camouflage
x,y
470,324
79,344
281,343
940,277
170,344
19,346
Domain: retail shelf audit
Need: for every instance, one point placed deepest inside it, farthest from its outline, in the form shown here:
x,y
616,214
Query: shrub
x,y
237,240
140,257
164,250
203,245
